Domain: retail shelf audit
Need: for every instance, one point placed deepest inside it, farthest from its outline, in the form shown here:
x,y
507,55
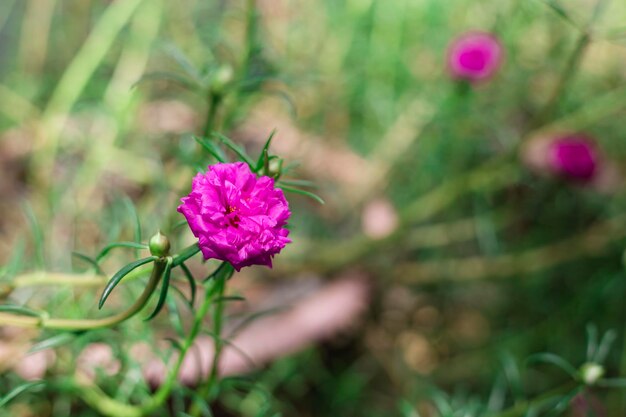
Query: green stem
x,y
165,389
214,102
572,65
205,389
82,324
113,408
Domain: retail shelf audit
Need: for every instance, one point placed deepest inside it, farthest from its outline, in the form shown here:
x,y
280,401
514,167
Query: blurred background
x,y
446,252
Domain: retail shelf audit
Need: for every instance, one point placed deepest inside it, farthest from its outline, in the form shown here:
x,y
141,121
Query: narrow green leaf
x,y
18,390
52,342
179,224
17,256
220,340
235,148
121,274
165,285
211,148
230,298
88,259
551,358
302,192
605,346
565,400
592,341
20,310
184,82
174,314
182,60
612,383
192,282
37,233
175,343
560,11
298,183
221,269
132,210
246,321
187,253
264,156
105,251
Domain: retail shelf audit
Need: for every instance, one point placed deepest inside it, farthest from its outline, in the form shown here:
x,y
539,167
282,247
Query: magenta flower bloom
x,y
573,157
474,56
236,216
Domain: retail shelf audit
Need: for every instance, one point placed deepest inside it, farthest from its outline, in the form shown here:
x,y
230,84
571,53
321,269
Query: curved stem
x,y
82,324
204,390
165,389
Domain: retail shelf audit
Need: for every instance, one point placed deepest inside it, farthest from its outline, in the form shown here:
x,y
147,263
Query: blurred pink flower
x,y
236,216
474,56
573,157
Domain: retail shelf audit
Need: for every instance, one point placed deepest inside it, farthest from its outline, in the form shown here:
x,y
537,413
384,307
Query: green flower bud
x,y
221,78
591,372
275,168
159,245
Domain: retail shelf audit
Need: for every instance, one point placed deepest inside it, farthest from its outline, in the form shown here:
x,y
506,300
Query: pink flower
x,y
236,216
474,56
573,157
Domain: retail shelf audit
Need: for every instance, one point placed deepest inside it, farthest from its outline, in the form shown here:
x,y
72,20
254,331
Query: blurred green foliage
x,y
85,158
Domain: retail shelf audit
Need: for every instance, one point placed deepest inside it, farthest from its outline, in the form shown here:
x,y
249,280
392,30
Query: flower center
x,y
233,219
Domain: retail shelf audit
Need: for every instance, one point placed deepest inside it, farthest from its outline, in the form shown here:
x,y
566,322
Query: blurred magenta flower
x,y
236,216
573,157
474,56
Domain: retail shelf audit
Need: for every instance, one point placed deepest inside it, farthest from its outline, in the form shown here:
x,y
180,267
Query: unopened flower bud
x,y
591,372
221,78
159,245
275,168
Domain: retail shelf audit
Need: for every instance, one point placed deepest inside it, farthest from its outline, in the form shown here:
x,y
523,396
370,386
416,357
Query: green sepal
x,y
165,285
121,274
